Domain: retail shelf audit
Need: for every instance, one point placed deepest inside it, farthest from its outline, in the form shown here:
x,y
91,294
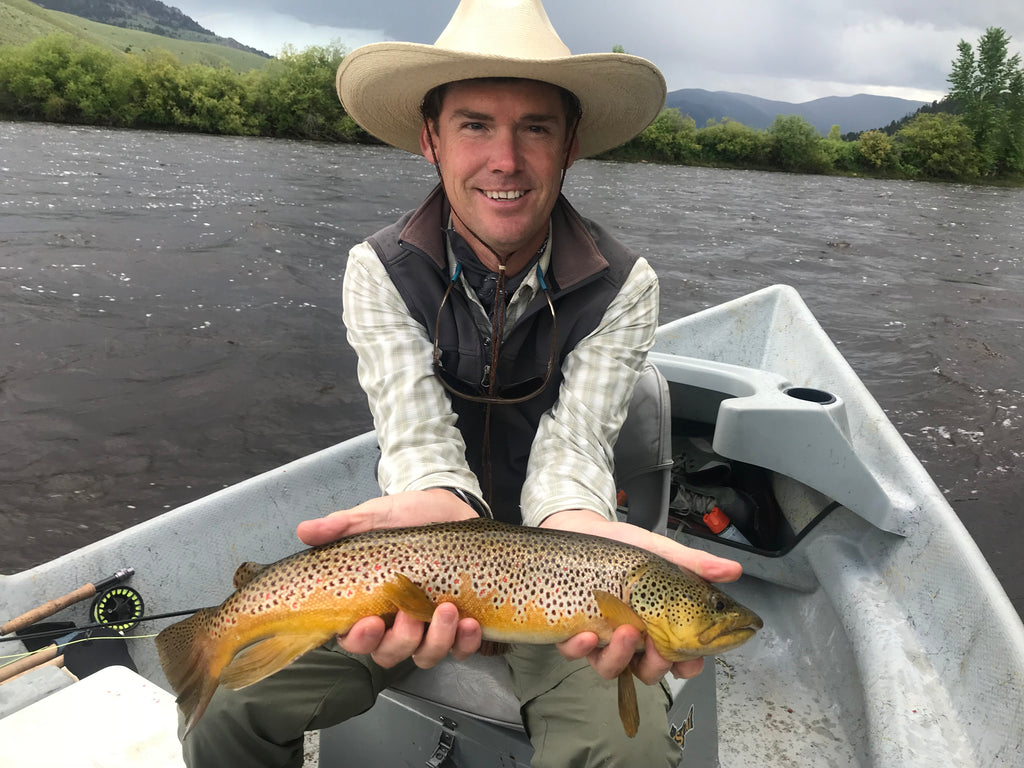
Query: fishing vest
x,y
587,270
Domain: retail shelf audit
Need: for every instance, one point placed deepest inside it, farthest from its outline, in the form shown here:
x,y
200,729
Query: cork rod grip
x,y
48,609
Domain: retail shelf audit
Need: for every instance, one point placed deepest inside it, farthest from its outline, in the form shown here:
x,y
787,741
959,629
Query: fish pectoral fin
x,y
629,711
409,598
246,572
262,659
616,612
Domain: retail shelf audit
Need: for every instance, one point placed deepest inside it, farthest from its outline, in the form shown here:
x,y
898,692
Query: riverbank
x,y
64,81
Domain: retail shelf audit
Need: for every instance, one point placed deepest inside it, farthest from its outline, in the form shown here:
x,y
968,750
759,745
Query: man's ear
x,y
574,151
425,146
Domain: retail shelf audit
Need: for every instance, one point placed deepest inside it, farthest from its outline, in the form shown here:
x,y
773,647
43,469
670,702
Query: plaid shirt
x,y
570,464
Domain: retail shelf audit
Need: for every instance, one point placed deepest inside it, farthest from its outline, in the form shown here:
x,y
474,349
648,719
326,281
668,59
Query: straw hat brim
x,y
381,86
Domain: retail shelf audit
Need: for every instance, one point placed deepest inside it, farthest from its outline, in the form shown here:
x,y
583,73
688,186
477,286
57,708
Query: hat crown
x,y
517,29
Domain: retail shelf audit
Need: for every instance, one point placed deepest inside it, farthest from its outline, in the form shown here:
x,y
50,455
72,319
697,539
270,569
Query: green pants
x,y
570,713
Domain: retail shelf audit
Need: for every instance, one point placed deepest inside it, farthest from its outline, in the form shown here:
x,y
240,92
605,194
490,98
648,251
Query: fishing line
x,y
18,656
42,634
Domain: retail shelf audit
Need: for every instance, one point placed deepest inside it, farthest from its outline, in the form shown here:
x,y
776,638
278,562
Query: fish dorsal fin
x,y
409,598
616,612
252,664
246,572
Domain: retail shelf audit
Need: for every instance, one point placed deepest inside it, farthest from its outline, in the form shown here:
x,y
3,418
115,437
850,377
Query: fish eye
x,y
716,602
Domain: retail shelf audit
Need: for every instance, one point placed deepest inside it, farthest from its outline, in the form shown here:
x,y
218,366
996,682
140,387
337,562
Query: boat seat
x,y
481,686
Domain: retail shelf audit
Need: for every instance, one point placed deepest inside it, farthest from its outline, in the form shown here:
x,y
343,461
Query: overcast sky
x,y
792,50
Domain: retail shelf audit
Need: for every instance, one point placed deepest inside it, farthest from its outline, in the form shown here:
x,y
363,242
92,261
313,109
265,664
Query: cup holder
x,y
810,395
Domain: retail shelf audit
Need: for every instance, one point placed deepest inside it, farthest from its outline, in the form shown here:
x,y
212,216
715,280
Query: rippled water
x,y
170,311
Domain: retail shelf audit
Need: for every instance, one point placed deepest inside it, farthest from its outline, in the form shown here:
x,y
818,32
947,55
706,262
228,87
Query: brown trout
x,y
524,585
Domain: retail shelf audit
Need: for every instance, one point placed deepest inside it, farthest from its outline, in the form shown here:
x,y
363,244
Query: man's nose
x,y
506,152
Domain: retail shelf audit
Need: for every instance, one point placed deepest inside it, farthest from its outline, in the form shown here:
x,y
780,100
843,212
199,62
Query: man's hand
x,y
435,505
427,644
620,653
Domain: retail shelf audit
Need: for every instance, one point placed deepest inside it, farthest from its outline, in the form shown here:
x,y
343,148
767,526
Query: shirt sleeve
x,y
420,445
571,461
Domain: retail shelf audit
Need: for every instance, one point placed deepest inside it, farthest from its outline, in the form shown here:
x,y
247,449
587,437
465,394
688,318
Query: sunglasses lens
x,y
518,392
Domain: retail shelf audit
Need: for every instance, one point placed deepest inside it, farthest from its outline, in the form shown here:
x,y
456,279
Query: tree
x,y
938,145
671,137
877,149
989,87
734,143
796,144
298,93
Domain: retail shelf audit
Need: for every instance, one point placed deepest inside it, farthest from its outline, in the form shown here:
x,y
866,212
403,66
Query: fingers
x,y
650,666
426,644
578,646
323,530
468,637
364,636
687,669
621,652
408,508
704,564
610,660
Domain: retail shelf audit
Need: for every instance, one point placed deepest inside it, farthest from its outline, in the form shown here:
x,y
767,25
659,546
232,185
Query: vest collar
x,y
574,253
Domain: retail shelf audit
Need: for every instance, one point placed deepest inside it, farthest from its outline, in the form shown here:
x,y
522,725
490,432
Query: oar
x,y
60,603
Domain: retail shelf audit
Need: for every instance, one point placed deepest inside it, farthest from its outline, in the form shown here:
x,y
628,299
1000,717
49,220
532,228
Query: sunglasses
x,y
491,391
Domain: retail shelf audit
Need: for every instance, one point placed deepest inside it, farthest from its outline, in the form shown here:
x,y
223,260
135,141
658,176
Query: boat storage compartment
x,y
760,419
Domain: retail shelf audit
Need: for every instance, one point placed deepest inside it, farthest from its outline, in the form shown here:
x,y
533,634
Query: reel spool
x,y
119,608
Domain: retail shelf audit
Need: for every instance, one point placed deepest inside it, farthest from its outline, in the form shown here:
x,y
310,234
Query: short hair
x,y
433,101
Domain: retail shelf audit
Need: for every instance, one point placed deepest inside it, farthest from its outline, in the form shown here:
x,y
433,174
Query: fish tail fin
x,y
187,655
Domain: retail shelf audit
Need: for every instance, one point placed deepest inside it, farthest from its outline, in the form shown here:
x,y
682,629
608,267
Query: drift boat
x,y
887,639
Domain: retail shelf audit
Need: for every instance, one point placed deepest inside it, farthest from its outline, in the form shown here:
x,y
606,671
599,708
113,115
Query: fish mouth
x,y
728,635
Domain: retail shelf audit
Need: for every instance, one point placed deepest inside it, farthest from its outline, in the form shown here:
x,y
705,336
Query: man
x,y
499,337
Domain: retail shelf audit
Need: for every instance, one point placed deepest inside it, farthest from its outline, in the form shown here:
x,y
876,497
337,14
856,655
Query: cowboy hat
x,y
382,85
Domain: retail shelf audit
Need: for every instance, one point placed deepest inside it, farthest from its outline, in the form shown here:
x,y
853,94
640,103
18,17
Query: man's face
x,y
501,147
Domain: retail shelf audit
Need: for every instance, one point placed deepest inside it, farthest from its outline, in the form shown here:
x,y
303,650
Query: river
x,y
170,311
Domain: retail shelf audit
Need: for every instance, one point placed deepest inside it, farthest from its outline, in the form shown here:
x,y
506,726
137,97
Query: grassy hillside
x,y
22,21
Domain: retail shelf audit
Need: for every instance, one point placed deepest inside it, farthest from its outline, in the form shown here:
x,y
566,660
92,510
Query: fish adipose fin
x,y
262,659
409,598
616,612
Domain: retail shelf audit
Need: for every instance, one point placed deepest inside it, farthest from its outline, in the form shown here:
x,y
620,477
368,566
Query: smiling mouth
x,y
512,194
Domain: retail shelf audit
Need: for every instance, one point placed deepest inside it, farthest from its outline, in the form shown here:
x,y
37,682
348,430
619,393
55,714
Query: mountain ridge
x,y
851,113
151,16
